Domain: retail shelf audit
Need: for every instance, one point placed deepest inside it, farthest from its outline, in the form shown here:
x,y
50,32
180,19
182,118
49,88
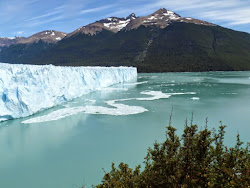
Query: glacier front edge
x,y
27,89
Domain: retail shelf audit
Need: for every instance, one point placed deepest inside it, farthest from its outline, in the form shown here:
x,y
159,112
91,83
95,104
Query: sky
x,y
26,17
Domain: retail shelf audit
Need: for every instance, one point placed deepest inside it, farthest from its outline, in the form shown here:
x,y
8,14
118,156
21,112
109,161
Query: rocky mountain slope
x,y
6,41
48,36
21,49
112,24
161,18
162,41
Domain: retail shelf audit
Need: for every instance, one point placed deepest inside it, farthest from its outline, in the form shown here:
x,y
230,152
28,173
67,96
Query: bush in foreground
x,y
197,159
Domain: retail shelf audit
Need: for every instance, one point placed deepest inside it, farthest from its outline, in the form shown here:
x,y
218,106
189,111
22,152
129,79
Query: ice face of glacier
x,y
27,89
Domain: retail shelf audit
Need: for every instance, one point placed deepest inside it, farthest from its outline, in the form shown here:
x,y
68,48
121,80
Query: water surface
x,y
72,151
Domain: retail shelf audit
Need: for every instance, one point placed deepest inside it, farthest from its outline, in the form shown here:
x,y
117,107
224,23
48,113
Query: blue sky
x,y
26,17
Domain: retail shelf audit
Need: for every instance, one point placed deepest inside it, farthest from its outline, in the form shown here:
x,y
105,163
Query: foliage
x,y
197,159
23,53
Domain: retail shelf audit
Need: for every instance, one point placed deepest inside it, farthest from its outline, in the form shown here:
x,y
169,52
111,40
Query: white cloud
x,y
45,21
19,33
45,15
96,9
234,17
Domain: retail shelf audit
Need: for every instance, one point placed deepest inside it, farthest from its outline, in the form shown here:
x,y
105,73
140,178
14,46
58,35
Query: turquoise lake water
x,y
72,150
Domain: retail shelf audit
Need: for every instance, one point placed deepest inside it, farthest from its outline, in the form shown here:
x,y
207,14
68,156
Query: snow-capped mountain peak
x,y
132,16
162,18
113,24
49,36
164,13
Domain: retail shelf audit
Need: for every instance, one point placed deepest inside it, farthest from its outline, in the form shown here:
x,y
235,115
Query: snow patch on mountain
x,y
117,24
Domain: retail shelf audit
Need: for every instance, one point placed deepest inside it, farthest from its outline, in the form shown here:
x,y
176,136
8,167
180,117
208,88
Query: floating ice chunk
x,y
113,89
90,100
170,85
119,110
195,98
186,93
116,109
136,83
56,115
155,95
159,95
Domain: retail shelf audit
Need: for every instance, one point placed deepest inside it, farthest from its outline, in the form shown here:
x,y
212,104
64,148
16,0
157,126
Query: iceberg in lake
x,y
27,89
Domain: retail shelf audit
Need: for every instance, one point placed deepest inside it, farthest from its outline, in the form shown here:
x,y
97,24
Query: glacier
x,y
28,89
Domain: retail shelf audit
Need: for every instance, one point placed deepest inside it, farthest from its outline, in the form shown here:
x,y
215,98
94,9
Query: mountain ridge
x,y
114,24
48,36
160,42
161,18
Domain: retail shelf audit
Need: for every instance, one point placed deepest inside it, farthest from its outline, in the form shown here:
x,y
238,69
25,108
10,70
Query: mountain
x,y
7,41
162,41
162,18
112,24
48,36
22,50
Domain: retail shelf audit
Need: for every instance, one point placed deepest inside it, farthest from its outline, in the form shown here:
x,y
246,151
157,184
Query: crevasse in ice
x,y
27,89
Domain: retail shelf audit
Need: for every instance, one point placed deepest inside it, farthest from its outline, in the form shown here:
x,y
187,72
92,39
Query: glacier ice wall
x,y
27,89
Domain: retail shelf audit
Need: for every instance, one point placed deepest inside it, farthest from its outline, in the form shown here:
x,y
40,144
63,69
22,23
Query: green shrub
x,y
197,159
